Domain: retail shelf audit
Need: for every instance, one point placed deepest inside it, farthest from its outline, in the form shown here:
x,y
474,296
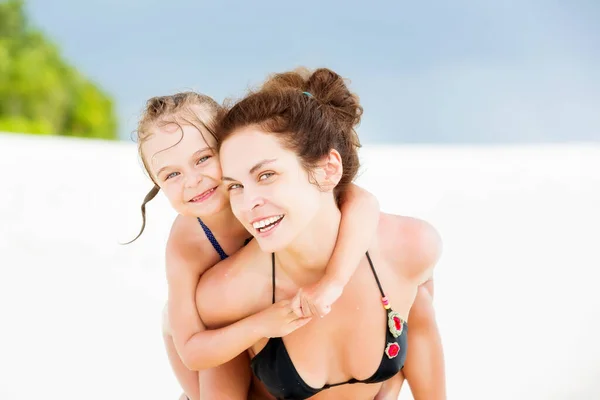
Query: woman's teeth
x,y
267,223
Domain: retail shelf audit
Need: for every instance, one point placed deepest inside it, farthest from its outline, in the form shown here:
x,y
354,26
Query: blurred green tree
x,y
39,92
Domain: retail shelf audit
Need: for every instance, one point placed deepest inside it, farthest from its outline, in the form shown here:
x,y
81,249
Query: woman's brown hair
x,y
310,112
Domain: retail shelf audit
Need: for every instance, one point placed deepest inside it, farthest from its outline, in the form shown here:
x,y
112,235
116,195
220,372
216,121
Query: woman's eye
x,y
203,159
266,175
234,186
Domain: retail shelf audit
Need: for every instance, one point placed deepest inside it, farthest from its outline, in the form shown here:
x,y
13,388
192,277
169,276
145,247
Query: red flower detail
x,y
395,323
398,323
392,350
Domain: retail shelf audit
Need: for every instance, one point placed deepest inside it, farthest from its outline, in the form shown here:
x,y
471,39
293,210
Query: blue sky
x,y
438,71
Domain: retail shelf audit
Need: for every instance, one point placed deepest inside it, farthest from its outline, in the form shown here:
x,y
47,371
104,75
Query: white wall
x,y
514,289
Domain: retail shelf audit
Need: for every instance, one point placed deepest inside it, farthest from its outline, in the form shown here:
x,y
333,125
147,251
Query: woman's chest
x,y
350,342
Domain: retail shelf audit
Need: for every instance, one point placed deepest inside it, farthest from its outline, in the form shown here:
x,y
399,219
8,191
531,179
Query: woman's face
x,y
269,189
183,162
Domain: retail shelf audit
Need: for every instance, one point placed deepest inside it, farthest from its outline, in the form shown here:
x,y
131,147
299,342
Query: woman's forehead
x,y
247,148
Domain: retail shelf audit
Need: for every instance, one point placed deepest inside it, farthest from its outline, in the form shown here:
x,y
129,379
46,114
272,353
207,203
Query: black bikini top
x,y
275,369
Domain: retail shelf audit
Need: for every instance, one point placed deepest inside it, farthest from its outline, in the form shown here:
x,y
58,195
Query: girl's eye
x,y
234,186
172,175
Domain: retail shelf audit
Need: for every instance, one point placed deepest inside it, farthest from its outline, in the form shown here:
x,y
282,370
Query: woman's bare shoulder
x,y
412,245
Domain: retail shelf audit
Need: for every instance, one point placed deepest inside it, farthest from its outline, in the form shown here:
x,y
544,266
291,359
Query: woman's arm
x,y
424,367
415,247
390,390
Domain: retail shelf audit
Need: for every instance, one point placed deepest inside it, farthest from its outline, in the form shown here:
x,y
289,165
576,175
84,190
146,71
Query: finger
x,y
306,311
296,306
314,310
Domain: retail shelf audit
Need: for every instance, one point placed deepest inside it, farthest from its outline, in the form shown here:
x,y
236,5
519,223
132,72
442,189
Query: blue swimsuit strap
x,y
212,240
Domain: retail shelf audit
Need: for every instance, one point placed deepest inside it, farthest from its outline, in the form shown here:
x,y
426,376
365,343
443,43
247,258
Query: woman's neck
x,y
305,260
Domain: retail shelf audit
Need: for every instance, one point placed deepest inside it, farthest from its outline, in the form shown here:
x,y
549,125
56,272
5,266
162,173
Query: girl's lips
x,y
203,196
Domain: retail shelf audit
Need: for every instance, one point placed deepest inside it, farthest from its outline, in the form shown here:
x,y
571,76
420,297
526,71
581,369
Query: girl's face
x,y
184,164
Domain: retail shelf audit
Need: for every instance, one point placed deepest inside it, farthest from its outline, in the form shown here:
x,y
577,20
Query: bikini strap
x,y
212,240
273,274
375,274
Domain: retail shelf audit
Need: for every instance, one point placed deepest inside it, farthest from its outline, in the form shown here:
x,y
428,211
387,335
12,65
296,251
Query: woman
x,y
177,147
288,154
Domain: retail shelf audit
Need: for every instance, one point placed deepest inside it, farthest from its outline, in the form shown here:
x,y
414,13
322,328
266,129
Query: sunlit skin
x,y
269,181
183,164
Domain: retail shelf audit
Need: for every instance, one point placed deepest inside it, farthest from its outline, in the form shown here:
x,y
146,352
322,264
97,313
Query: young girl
x,y
178,149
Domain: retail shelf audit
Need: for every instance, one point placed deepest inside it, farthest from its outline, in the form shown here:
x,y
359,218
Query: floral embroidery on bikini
x,y
392,350
395,321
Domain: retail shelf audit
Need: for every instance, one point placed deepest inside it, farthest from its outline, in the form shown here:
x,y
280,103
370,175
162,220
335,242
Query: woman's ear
x,y
330,171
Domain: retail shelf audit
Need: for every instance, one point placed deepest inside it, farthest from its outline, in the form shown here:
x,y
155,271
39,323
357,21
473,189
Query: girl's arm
x,y
198,347
360,218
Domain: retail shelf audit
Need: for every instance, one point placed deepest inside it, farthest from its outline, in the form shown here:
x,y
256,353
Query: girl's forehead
x,y
173,140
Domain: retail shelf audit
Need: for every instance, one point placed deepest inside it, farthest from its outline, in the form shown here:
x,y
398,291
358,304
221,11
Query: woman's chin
x,y
268,246
271,244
